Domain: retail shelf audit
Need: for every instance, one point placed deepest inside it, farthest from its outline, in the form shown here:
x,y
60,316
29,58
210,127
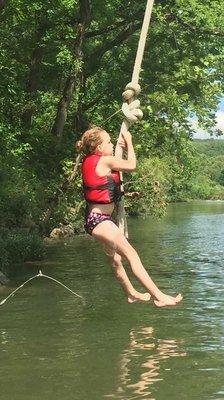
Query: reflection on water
x,y
151,353
3,337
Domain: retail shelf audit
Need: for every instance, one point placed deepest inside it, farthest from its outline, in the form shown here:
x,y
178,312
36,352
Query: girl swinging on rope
x,y
101,184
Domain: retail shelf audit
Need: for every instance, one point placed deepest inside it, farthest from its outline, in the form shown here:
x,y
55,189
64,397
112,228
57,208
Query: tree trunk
x,y
63,106
33,79
32,85
2,4
74,81
80,123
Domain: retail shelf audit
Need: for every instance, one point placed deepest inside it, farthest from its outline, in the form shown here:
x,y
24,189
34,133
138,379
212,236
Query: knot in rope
x,y
131,107
131,90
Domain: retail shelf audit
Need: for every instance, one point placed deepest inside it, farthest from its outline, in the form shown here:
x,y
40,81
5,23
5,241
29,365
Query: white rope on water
x,y
40,274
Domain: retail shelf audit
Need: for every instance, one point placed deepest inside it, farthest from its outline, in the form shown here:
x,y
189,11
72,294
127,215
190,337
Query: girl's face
x,y
106,147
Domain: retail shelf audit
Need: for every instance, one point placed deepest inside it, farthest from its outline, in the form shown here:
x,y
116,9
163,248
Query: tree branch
x,y
193,28
94,59
75,169
107,29
72,80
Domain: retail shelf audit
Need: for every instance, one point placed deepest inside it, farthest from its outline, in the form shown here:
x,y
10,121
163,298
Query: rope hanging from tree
x,y
131,106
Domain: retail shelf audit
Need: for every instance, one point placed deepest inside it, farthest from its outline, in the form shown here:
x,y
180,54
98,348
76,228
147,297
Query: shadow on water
x,y
53,347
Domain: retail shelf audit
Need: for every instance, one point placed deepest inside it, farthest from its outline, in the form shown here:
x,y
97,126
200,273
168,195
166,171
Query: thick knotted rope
x,y
131,106
132,113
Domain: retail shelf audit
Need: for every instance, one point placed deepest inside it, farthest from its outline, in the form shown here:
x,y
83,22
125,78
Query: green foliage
x,y
149,181
17,247
42,58
204,188
4,259
207,182
209,147
220,179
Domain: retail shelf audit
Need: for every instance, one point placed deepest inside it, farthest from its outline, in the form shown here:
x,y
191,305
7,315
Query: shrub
x,y
17,247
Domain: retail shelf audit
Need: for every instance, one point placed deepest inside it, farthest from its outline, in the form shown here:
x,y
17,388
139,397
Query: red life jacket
x,y
99,189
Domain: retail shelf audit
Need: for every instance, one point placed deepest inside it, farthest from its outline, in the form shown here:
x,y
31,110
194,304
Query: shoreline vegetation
x,y
26,243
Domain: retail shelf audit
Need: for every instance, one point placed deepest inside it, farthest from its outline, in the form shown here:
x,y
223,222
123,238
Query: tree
x,y
64,65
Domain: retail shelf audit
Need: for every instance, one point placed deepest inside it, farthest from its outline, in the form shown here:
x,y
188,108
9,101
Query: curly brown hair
x,y
90,140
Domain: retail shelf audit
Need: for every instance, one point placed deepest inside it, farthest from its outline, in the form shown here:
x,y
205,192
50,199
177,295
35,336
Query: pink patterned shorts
x,y
93,219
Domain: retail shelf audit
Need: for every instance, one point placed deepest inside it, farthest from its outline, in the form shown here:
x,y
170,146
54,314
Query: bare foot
x,y
168,300
138,297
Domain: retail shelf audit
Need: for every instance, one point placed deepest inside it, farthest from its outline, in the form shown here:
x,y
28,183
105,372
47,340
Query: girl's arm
x,y
118,164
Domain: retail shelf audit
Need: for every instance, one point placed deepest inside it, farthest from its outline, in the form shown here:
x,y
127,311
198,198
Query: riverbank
x,y
18,247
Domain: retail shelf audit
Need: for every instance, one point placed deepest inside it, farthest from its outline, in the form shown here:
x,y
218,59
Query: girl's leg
x,y
120,274
108,233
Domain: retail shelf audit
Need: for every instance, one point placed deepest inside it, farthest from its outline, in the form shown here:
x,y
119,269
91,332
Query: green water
x,y
52,346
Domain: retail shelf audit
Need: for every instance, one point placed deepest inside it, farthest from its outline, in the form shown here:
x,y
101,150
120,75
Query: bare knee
x,y
117,260
126,250
117,265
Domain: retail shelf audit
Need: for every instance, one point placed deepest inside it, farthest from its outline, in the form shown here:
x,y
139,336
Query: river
x,y
55,346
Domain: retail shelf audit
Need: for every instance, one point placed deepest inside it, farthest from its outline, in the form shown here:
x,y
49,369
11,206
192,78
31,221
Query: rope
x,y
131,106
40,274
